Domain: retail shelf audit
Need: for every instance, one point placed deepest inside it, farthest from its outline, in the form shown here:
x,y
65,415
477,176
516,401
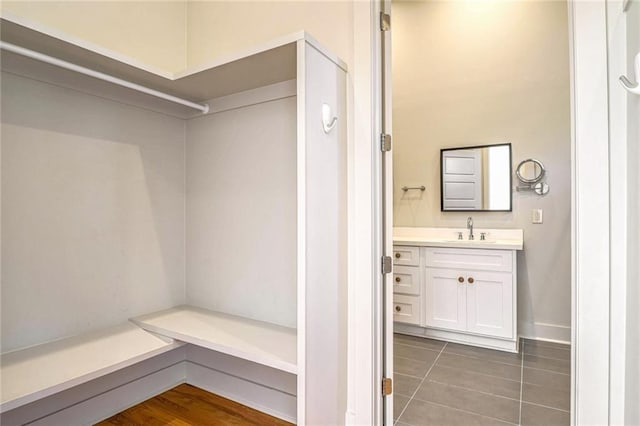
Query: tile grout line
x,y
460,410
480,374
480,358
473,390
547,370
546,357
416,346
420,384
521,383
546,406
412,359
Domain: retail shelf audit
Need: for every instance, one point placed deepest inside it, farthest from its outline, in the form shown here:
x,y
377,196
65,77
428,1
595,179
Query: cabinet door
x,y
490,303
446,299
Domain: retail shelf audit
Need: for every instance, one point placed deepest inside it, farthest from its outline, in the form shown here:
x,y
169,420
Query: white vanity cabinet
x,y
460,291
475,296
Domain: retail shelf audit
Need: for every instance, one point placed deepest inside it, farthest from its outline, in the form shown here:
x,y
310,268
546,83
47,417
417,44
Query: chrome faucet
x,y
470,227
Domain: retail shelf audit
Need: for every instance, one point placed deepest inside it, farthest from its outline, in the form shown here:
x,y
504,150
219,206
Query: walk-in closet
x,y
163,228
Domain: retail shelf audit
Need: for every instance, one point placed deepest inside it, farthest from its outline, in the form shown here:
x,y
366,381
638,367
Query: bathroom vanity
x,y
449,287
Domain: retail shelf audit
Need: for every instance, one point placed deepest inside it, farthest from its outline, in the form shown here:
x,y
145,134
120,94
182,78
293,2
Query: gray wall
x,y
92,212
472,73
241,212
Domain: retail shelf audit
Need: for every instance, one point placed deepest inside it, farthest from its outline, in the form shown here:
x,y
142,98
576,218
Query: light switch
x,y
536,216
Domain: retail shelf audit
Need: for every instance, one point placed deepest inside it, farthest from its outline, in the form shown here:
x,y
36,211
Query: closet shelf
x,y
268,63
39,371
260,342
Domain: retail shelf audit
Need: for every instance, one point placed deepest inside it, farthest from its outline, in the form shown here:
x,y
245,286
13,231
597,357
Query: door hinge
x,y
387,386
387,264
385,21
385,142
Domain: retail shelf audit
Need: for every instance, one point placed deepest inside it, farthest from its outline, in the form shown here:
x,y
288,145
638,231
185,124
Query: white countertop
x,y
496,239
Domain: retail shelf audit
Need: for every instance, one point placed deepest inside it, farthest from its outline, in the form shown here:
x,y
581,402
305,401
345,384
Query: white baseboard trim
x,y
455,337
257,386
253,395
545,332
107,404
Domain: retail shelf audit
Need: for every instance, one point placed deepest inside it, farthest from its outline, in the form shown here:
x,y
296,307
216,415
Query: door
x,y
490,303
446,299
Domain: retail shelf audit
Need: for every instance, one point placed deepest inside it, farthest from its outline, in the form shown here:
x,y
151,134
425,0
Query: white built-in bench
x,y
40,371
256,341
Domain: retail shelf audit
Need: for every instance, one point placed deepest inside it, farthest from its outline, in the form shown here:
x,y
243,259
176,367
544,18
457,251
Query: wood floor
x,y
188,405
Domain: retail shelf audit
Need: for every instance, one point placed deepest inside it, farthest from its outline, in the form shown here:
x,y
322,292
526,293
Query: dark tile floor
x,y
439,383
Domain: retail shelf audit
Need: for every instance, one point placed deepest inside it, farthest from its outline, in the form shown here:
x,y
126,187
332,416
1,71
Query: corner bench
x,y
32,374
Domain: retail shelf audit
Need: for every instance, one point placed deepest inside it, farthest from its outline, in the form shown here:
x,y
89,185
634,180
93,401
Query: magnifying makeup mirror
x,y
531,172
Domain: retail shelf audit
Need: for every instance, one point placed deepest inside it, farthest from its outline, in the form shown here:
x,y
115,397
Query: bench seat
x,y
40,371
260,342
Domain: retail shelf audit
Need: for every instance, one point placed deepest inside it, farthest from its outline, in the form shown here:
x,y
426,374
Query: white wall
x,y
92,212
217,28
472,73
153,32
241,212
173,35
632,391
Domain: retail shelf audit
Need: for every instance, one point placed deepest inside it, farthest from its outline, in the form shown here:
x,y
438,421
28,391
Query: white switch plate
x,y
536,216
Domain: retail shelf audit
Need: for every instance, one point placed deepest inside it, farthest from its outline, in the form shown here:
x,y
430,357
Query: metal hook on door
x,y
631,87
328,123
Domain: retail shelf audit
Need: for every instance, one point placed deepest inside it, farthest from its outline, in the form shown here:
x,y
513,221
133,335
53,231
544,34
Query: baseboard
x,y
545,332
455,337
105,396
263,388
116,400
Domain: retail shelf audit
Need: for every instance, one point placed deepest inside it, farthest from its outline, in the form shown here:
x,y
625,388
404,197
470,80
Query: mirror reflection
x,y
476,178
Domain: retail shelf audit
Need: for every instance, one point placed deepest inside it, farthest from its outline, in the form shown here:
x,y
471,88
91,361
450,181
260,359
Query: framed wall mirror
x,y
476,178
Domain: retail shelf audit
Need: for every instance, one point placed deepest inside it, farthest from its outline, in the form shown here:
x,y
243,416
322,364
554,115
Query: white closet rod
x,y
101,76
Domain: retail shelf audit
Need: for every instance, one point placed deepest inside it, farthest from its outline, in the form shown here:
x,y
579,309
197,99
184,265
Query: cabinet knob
x,y
470,280
398,308
397,279
460,279
397,255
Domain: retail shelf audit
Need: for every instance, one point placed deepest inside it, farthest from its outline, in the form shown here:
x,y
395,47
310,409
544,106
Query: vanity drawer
x,y
476,259
406,255
406,309
406,280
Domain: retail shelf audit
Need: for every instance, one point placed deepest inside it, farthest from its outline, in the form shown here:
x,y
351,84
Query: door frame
x,y
592,372
593,309
591,244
